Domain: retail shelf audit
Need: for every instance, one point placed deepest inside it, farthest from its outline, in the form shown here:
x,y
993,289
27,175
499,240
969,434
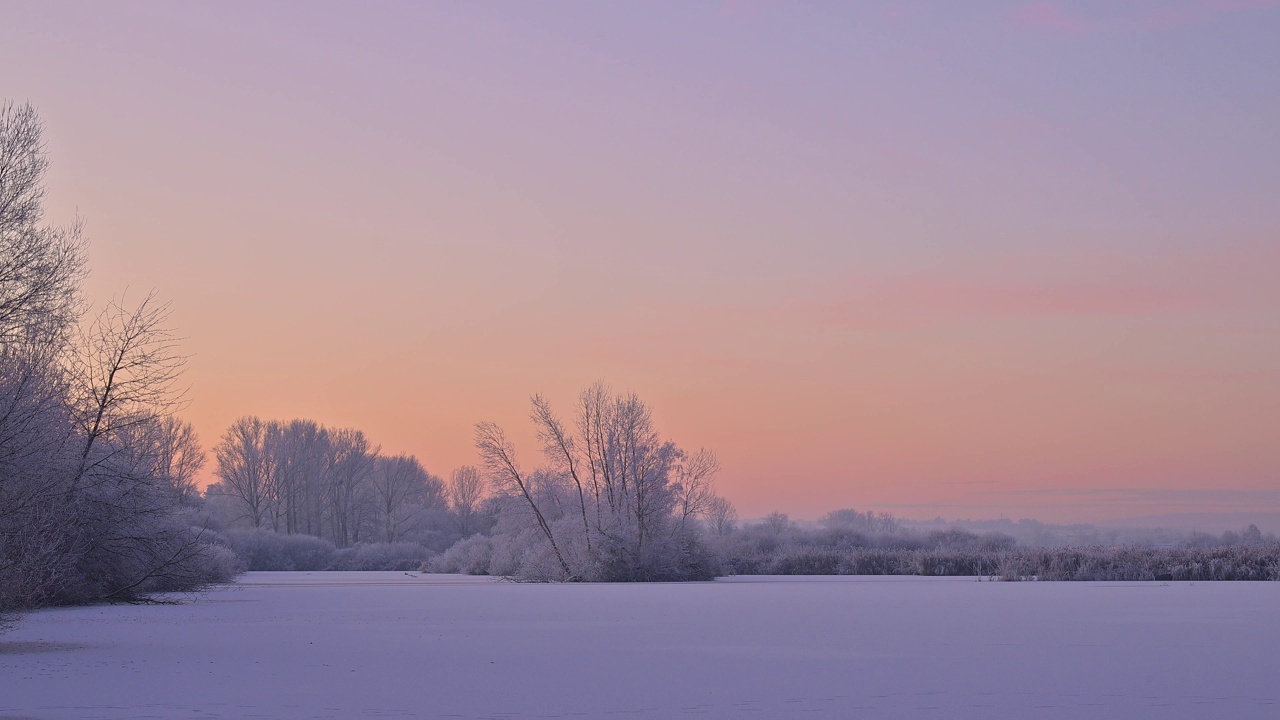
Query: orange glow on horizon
x,y
973,263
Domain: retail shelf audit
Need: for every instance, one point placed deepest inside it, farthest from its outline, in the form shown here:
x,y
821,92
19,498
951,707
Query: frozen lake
x,y
356,645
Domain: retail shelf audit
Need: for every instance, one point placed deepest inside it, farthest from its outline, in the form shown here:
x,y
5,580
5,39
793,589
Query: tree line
x,y
300,477
612,499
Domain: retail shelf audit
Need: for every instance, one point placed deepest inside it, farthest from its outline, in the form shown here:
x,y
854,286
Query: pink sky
x,y
978,260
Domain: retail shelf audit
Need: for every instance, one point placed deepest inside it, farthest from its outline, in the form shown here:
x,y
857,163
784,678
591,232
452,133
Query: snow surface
x,y
386,645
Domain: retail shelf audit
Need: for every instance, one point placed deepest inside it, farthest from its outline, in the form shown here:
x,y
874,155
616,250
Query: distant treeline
x,y
832,551
615,501
1034,533
850,543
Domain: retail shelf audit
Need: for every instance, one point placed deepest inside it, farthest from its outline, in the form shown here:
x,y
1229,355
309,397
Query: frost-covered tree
x,y
36,460
349,502
246,468
88,508
721,515
466,491
404,491
178,457
123,375
777,522
692,486
41,266
613,500
300,452
299,477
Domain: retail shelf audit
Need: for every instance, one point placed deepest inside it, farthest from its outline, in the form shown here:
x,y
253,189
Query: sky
x,y
977,260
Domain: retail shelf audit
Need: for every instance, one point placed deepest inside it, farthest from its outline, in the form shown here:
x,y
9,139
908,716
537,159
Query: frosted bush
x,y
470,556
209,562
266,550
380,556
1241,562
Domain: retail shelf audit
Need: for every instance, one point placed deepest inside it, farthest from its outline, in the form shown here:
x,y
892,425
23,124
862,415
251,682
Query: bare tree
x,y
629,467
176,454
349,502
125,372
778,522
245,468
466,490
498,456
40,267
300,451
403,490
562,450
128,535
693,488
614,500
721,515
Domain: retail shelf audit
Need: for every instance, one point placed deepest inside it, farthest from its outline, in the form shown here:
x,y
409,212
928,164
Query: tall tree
x,y
721,515
466,490
349,501
245,468
300,449
404,490
176,454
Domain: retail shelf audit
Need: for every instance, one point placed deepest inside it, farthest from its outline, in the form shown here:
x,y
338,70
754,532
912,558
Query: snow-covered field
x,y
353,645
